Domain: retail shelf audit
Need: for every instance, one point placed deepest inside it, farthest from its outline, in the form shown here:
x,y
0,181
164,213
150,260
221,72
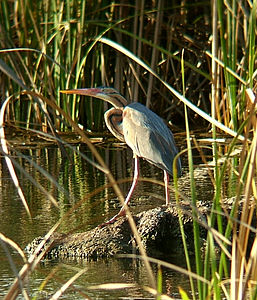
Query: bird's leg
x,y
167,192
134,183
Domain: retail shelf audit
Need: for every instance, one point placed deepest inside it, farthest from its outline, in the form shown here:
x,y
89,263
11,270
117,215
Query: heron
x,y
142,130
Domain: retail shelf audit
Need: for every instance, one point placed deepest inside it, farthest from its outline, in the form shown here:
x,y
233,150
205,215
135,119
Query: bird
x,y
142,130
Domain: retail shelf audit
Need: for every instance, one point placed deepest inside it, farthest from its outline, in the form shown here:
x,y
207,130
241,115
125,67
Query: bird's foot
x,y
113,219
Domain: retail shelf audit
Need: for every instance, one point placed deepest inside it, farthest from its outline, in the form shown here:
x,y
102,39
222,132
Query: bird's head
x,y
105,93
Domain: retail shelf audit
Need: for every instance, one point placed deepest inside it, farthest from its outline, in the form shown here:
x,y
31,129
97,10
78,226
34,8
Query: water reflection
x,y
79,179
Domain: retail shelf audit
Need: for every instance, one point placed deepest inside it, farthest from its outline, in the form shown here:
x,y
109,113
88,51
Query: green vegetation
x,y
48,46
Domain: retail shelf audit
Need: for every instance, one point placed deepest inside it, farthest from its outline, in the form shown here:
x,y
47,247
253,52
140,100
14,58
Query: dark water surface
x,y
79,179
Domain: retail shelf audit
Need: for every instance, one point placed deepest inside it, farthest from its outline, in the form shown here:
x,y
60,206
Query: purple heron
x,y
142,130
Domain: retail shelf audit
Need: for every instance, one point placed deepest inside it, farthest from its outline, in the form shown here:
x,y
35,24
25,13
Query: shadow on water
x,y
80,179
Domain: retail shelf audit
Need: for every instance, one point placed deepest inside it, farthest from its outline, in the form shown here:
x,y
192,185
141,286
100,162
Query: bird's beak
x,y
97,93
86,92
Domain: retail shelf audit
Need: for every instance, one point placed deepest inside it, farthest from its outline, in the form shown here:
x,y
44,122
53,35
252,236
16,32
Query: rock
x,y
158,229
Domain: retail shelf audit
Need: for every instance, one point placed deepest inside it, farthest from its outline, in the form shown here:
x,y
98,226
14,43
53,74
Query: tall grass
x,y
55,48
47,46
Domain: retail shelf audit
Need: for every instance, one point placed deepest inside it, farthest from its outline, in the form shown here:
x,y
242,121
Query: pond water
x,y
79,179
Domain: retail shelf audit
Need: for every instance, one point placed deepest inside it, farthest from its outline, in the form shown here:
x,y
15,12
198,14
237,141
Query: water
x,y
79,179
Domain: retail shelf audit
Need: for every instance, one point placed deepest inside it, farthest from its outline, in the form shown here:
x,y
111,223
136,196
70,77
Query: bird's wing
x,y
148,136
